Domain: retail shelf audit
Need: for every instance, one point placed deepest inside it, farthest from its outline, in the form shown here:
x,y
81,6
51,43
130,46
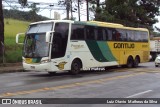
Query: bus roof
x,y
115,25
106,23
110,25
48,21
93,23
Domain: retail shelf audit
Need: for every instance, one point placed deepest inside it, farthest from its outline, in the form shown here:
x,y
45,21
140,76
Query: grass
x,y
13,52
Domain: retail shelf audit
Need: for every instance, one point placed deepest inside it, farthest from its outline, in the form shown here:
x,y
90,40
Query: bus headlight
x,y
45,61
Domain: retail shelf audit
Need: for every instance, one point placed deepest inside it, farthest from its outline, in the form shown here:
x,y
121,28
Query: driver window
x,y
60,39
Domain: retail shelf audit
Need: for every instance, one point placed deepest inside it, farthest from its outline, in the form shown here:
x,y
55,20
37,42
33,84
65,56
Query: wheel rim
x,y
75,68
136,62
130,63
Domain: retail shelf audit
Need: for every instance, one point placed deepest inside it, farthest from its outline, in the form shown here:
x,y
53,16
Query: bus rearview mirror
x,y
48,36
17,37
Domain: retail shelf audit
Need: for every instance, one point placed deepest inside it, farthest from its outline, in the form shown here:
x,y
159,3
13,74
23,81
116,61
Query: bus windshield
x,y
35,41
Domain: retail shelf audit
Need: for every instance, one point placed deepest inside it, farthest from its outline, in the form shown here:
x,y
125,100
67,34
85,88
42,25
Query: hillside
x,y
13,52
22,15
12,27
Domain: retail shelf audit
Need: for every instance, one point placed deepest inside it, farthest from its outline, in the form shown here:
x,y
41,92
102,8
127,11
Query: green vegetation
x,y
136,13
13,51
30,16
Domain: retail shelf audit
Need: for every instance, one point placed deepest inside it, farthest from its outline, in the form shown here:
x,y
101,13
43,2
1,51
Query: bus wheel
x,y
136,62
75,67
130,62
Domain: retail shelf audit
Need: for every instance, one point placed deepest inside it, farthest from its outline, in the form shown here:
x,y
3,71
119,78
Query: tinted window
x,y
90,33
100,34
144,36
105,34
62,28
60,39
138,36
122,34
130,35
77,32
109,34
116,35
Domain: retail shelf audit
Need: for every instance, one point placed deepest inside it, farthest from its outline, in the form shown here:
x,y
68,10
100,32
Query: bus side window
x,y
130,35
138,36
126,35
74,35
77,32
96,34
109,34
100,34
90,33
116,35
80,33
123,34
144,36
105,34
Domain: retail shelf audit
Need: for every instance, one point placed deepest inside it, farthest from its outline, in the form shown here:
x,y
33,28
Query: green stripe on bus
x,y
85,23
80,23
95,50
106,50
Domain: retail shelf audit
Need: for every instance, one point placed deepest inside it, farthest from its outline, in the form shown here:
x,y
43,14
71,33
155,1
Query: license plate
x,y
32,67
28,60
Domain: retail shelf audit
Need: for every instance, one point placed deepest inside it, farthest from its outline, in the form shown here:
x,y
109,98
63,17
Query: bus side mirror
x,y
17,37
48,36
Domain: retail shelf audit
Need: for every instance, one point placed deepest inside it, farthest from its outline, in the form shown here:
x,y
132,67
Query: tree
x,y
98,9
158,29
69,6
34,8
150,10
133,12
23,2
33,11
1,29
122,10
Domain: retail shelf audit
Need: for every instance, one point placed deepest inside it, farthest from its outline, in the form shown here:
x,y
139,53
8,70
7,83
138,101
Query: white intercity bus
x,y
65,45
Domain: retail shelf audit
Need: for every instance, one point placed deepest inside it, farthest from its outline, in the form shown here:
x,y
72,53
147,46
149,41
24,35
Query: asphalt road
x,y
117,82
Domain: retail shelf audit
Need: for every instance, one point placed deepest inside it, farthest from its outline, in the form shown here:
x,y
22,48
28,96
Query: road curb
x,y
11,69
10,64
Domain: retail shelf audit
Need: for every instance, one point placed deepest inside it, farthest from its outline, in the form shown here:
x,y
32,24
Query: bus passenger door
x,y
59,45
60,40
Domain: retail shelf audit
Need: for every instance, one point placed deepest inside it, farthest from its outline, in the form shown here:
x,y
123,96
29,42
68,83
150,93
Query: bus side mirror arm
x,y
49,35
17,38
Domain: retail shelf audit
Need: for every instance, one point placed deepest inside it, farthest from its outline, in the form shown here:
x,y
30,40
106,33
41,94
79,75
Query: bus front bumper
x,y
37,67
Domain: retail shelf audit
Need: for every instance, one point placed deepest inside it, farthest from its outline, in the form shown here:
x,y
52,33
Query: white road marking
x,y
144,92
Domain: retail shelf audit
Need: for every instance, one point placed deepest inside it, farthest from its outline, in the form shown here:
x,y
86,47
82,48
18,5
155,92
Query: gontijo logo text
x,y
124,45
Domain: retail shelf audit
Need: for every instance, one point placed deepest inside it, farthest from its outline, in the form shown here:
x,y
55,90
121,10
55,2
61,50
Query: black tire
x,y
130,62
156,65
75,67
136,62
